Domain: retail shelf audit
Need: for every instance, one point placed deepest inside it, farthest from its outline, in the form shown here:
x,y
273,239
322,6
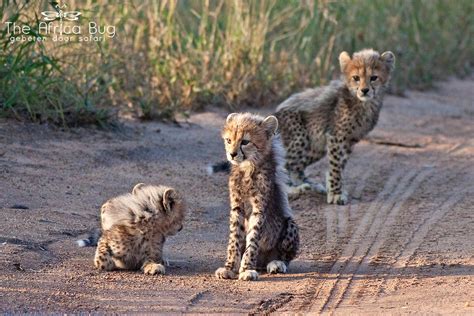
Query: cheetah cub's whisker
x,y
263,234
332,119
135,227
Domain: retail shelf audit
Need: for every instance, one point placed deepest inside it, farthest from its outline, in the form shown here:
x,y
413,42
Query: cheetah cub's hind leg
x,y
288,248
294,191
316,187
299,184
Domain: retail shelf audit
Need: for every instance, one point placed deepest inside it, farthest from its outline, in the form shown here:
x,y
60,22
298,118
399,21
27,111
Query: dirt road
x,y
404,244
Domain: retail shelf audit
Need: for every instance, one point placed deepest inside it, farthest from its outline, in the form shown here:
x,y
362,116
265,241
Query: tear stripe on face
x,y
243,153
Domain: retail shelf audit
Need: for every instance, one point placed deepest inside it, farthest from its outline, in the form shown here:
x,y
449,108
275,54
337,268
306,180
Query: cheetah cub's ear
x,y
230,117
344,60
270,123
389,59
137,187
169,198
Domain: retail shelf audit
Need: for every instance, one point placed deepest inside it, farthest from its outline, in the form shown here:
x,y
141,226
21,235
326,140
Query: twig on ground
x,y
379,141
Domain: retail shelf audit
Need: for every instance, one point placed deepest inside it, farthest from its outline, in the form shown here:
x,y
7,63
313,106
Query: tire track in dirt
x,y
383,232
357,291
414,177
322,292
419,234
377,286
336,290
353,209
337,216
348,211
331,232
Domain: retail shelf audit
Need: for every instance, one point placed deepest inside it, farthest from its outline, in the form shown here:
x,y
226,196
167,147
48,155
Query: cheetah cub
x,y
262,230
134,228
334,118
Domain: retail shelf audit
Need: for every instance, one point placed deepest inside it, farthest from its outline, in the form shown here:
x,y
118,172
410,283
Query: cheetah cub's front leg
x,y
103,259
247,271
229,271
338,154
153,263
152,268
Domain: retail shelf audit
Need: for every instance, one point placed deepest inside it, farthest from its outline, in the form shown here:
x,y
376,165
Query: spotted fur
x,y
332,119
263,233
135,226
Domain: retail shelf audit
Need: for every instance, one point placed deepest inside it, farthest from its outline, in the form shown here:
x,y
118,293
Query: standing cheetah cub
x,y
334,118
134,228
262,230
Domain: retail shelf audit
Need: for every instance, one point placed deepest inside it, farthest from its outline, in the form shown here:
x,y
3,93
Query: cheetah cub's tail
x,y
91,240
222,166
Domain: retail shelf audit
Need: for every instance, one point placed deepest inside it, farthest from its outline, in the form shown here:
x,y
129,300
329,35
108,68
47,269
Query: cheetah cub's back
x,y
135,227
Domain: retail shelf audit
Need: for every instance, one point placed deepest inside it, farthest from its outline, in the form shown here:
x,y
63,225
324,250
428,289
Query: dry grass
x,y
176,56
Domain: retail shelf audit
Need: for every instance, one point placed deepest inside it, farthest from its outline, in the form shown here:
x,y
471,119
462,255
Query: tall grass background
x,y
171,56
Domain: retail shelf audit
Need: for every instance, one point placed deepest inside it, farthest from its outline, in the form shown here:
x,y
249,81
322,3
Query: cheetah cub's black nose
x,y
233,155
365,90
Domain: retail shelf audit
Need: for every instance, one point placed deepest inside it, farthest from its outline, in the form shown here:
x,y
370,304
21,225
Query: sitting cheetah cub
x,y
262,229
334,118
134,228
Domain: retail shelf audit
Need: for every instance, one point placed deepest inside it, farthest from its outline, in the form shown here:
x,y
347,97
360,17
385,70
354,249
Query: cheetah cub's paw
x,y
317,187
295,190
276,266
153,268
339,198
248,275
223,273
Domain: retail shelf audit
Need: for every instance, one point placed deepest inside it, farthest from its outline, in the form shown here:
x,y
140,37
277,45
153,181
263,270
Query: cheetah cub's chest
x,y
359,121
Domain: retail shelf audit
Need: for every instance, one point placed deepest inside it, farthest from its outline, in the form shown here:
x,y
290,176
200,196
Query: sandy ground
x,y
404,244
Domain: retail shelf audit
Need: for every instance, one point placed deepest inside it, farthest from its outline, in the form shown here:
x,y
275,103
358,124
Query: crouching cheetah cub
x,y
262,230
334,118
135,226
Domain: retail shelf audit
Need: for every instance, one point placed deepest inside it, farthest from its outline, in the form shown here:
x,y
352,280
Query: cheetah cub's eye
x,y
245,142
227,140
356,78
373,78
